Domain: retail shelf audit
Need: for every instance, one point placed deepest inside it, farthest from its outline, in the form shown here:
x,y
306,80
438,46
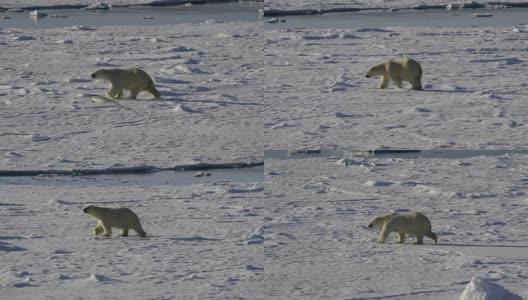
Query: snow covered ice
x,y
47,109
201,242
473,80
318,244
196,244
228,92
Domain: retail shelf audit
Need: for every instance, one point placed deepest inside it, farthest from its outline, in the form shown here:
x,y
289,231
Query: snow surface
x,y
318,96
301,234
318,245
200,243
208,77
318,4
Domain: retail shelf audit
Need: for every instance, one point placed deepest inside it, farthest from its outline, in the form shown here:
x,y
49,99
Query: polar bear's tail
x,y
152,89
418,85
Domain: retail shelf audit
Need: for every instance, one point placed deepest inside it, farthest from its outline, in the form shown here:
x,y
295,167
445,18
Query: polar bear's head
x,y
378,222
100,74
377,70
92,210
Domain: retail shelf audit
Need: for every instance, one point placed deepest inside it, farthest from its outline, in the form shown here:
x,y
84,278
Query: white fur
x,y
413,223
135,80
398,70
122,218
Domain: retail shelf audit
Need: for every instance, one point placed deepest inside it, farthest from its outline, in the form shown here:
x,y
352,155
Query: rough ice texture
x,y
318,4
196,245
208,77
318,96
483,289
318,245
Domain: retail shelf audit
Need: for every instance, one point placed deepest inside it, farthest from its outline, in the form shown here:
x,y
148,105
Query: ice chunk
x,y
37,14
378,183
483,289
256,237
97,6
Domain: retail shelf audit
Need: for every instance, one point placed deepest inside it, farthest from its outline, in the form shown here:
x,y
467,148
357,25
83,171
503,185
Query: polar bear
x,y
398,70
413,223
133,79
122,218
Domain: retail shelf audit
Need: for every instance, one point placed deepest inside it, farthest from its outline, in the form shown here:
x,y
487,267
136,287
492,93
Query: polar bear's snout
x,y
85,210
369,225
367,76
93,75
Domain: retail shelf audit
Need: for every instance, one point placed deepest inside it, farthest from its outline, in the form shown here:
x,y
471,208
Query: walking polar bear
x,y
121,218
135,80
398,70
413,223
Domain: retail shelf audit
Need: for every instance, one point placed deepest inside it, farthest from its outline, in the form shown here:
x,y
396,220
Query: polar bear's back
x,y
128,78
407,62
123,212
401,64
115,217
123,216
411,222
406,67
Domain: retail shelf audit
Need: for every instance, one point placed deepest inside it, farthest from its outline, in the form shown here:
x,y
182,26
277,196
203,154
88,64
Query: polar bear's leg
x,y
154,92
125,232
419,239
432,236
151,88
107,229
398,81
98,229
137,228
140,230
383,234
401,235
134,93
384,83
120,94
417,85
114,92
